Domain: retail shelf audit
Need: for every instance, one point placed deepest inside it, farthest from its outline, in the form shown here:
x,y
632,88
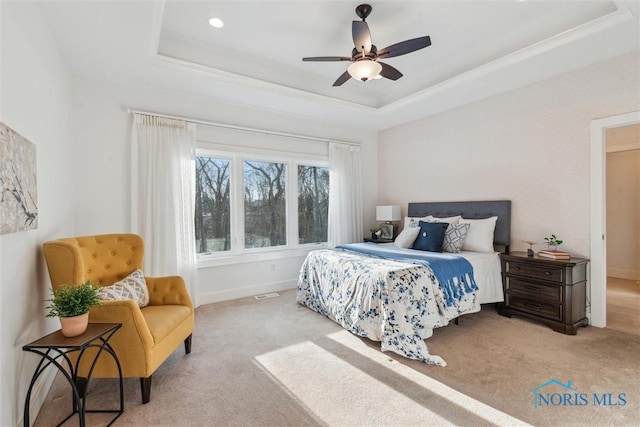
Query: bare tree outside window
x,y
212,207
265,207
313,204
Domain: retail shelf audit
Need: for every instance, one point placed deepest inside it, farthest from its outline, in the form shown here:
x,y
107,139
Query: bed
x,y
398,295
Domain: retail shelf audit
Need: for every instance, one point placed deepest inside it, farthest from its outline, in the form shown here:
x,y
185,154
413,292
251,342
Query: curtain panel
x,y
163,192
345,194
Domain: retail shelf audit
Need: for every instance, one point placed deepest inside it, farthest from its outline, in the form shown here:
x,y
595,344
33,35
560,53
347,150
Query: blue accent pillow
x,y
431,236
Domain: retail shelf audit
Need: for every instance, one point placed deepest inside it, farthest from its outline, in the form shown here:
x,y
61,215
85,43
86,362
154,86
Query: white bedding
x,y
394,298
487,272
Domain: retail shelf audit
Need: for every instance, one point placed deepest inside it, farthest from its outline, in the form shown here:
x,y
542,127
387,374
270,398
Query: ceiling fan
x,y
365,55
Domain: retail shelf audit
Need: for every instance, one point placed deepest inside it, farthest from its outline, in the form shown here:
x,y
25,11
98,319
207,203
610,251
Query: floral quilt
x,y
395,301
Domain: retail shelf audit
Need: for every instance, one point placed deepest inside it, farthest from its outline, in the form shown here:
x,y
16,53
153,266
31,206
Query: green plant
x,y
374,229
73,300
553,240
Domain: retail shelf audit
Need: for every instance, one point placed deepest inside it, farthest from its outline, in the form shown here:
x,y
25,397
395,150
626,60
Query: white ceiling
x,y
479,48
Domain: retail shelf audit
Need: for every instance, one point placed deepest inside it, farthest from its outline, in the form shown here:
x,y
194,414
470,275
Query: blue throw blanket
x,y
446,267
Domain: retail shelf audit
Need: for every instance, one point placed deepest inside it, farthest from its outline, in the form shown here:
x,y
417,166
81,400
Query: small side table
x,y
368,239
58,346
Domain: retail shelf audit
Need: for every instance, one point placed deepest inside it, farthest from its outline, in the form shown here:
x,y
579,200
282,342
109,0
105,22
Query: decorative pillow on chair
x,y
132,287
431,236
480,234
406,238
454,237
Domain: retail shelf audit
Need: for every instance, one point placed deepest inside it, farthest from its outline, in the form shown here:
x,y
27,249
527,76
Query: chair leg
x,y
187,344
145,387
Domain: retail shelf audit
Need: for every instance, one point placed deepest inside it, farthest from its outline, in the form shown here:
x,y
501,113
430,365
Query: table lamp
x,y
388,214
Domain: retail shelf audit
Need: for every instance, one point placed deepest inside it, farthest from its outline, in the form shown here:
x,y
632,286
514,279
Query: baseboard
x,y
623,274
248,291
38,395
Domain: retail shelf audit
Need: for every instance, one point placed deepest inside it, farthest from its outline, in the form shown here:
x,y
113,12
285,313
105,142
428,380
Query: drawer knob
x,y
548,273
537,307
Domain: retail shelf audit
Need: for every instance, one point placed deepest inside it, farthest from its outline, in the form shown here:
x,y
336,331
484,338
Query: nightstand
x,y
549,291
369,239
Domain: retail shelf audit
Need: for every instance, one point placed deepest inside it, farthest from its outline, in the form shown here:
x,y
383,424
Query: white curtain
x,y
345,194
162,191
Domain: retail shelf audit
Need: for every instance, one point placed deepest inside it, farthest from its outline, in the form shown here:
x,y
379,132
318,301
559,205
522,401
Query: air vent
x,y
265,296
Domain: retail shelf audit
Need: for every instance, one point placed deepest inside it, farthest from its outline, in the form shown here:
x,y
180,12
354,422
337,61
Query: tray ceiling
x,y
479,48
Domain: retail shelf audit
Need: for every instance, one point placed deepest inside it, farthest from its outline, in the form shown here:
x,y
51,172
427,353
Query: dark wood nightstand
x,y
546,290
369,239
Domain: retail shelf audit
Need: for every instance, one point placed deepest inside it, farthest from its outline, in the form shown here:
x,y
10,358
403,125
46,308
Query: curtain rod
x,y
241,128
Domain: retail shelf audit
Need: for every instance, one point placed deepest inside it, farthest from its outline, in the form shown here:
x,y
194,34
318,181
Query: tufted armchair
x,y
149,334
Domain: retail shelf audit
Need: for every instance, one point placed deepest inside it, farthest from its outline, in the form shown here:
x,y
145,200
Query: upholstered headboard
x,y
471,210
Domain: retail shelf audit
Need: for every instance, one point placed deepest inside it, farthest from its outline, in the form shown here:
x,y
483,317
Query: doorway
x,y
622,198
598,271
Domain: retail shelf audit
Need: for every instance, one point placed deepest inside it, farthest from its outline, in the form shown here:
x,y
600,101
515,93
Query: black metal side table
x,y
58,346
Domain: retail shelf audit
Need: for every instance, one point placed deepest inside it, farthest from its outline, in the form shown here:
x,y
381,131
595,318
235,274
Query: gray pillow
x,y
454,237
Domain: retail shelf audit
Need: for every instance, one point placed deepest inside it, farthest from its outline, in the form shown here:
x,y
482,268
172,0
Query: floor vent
x,y
265,296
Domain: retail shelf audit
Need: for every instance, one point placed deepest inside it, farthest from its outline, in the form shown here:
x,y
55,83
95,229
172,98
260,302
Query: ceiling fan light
x,y
216,22
364,69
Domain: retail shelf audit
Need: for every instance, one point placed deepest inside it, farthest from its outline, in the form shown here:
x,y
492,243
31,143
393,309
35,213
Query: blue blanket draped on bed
x,y
446,267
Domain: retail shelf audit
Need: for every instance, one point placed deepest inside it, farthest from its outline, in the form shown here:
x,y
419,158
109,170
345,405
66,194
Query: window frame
x,y
238,253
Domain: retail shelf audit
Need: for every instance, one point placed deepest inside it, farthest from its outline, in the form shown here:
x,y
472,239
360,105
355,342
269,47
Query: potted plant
x,y
71,303
552,242
375,232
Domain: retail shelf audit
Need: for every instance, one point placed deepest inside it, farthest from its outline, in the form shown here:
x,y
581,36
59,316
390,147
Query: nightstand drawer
x,y
543,272
539,308
534,290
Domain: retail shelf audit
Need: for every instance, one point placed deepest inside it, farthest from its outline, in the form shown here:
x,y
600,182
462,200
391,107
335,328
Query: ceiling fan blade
x,y
343,78
327,58
389,72
361,36
405,47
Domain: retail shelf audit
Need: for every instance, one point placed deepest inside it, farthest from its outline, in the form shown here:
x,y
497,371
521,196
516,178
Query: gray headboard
x,y
471,210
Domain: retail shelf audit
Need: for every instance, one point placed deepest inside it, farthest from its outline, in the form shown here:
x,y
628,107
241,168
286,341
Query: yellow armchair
x,y
148,335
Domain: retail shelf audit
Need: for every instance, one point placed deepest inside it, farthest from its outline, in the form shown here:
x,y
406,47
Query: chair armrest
x,y
126,312
168,290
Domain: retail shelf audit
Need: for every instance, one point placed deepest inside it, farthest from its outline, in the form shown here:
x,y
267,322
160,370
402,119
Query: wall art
x,y
18,192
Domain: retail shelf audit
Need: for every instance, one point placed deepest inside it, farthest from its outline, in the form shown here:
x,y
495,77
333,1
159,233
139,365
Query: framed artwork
x,y
387,231
18,192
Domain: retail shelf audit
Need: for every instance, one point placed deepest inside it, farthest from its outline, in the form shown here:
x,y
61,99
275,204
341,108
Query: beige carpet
x,y
274,363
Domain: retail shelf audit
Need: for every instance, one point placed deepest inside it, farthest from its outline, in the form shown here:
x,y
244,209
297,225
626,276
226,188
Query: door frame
x,y
598,203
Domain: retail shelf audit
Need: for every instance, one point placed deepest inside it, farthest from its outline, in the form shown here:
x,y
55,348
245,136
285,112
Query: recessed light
x,y
216,22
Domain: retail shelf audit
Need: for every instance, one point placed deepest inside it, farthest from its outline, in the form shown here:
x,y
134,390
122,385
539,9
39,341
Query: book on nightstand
x,y
554,254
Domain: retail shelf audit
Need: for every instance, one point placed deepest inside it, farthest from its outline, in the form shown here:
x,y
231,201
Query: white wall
x,y
103,133
530,145
36,102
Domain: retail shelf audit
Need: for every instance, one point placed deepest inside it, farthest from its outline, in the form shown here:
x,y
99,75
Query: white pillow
x,y
451,220
406,238
132,287
413,221
480,235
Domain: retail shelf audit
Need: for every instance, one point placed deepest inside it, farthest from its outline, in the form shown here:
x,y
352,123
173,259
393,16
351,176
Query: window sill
x,y
245,258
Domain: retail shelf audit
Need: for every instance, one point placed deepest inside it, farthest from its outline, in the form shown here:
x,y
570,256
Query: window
x,y
213,205
265,204
313,203
252,203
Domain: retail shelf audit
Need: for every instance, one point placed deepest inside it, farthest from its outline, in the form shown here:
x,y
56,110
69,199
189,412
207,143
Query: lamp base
x,y
389,230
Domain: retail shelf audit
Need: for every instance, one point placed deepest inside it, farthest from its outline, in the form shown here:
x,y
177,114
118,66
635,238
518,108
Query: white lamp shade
x,y
364,69
388,213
